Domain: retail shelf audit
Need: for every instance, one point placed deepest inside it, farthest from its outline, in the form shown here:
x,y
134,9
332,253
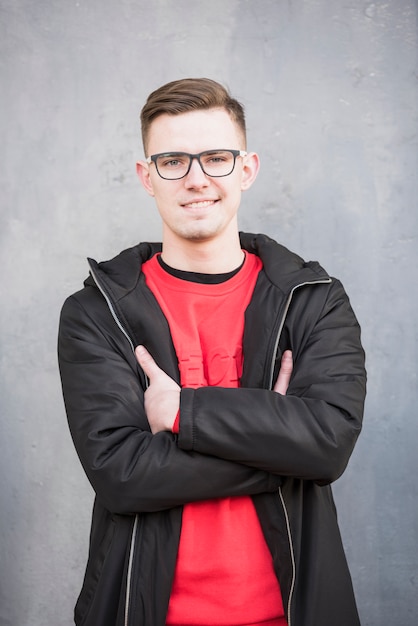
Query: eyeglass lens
x,y
213,163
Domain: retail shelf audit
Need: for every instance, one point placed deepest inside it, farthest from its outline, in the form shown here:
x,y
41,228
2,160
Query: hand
x,y
286,368
162,398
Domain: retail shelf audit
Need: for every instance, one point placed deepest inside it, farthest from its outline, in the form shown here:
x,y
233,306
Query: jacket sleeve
x,y
130,469
309,433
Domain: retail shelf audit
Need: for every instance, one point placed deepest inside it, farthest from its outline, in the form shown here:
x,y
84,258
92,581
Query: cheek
x,y
165,202
234,196
162,194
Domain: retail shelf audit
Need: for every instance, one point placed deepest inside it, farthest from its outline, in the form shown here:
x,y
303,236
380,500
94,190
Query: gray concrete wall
x,y
330,88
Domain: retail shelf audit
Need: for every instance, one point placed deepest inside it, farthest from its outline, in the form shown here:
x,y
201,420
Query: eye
x,y
216,158
172,161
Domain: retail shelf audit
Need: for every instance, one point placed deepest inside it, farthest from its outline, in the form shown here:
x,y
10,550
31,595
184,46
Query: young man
x,y
214,387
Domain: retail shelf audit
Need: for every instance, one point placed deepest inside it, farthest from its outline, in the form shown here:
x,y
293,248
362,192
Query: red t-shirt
x,y
224,574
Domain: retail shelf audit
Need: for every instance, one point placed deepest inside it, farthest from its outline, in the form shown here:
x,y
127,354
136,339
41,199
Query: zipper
x,y
111,308
135,525
129,572
324,281
115,316
270,386
292,555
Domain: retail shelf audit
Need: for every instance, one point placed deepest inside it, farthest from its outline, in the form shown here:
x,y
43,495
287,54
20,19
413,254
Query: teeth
x,y
199,205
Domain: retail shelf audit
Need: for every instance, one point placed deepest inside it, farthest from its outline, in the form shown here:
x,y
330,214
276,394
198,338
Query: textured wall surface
x,y
330,89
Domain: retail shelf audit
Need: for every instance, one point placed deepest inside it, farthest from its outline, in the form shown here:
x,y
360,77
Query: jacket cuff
x,y
186,433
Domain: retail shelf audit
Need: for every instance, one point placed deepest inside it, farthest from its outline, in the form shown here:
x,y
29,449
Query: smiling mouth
x,y
203,204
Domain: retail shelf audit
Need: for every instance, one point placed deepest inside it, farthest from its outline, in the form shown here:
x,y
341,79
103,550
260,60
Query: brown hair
x,y
189,94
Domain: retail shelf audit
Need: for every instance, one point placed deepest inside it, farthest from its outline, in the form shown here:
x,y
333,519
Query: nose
x,y
196,177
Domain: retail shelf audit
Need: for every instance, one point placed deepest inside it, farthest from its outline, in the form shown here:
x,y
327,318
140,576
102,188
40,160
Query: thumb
x,y
287,362
286,368
146,361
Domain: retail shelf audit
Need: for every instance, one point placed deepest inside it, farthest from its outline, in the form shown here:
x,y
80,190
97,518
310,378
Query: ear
x,y
142,170
251,165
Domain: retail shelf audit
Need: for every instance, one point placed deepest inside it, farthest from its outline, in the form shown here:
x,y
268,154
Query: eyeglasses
x,y
176,165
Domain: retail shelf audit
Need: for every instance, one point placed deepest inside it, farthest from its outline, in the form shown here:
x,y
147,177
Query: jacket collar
x,y
283,268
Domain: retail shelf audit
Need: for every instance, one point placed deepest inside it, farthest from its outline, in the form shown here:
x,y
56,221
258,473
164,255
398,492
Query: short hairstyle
x,y
189,94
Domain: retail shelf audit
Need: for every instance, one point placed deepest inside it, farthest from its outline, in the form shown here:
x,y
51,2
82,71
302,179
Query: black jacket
x,y
282,450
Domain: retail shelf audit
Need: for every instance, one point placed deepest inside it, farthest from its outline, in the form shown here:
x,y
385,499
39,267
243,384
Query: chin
x,y
198,236
200,232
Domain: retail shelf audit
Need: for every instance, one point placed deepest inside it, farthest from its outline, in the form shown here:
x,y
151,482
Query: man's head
x,y
197,165
190,94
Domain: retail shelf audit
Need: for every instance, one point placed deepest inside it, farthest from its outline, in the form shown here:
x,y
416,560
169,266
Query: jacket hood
x,y
283,268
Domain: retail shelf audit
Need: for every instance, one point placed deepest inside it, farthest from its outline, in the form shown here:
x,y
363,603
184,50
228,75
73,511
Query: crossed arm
x,y
308,434
162,398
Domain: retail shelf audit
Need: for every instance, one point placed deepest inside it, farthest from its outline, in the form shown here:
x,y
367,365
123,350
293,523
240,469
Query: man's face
x,y
197,207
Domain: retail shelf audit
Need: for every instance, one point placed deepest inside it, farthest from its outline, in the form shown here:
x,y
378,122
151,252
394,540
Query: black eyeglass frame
x,y
235,153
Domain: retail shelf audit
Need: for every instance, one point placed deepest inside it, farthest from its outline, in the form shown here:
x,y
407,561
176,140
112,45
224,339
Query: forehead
x,y
194,131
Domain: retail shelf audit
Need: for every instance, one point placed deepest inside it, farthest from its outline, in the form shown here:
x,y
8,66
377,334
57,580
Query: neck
x,y
206,257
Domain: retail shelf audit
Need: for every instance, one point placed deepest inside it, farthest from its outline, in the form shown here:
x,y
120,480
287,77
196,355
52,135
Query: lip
x,y
199,204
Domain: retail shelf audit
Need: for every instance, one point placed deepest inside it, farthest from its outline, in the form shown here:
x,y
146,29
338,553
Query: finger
x,y
287,362
146,361
286,368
